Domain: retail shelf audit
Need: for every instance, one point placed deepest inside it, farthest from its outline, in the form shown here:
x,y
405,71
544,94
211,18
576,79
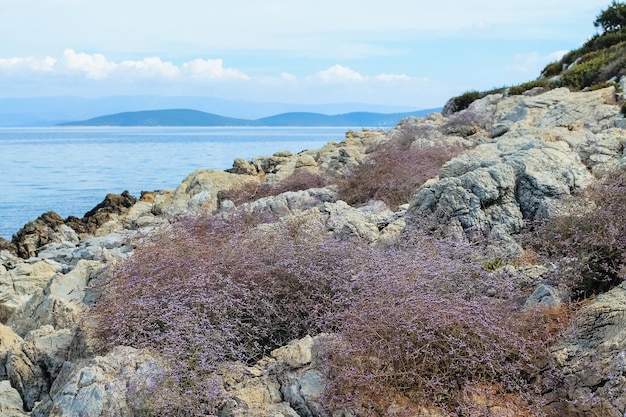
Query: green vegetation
x,y
613,18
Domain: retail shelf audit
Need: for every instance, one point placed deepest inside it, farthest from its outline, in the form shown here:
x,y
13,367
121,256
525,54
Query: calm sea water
x,y
70,170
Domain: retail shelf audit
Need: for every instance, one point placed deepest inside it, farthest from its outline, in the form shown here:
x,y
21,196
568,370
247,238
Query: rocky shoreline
x,y
523,155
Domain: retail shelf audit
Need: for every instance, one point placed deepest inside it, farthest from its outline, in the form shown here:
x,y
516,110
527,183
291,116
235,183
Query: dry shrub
x,y
299,180
432,334
412,319
589,246
393,172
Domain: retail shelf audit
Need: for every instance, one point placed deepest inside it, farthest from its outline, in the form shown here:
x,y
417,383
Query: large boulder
x,y
594,110
107,385
199,191
498,185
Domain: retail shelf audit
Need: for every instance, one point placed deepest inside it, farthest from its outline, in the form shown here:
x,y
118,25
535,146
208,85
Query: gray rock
x,y
111,384
544,296
586,374
502,183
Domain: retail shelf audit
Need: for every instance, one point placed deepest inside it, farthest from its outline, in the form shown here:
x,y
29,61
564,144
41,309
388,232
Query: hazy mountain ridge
x,y
187,117
48,111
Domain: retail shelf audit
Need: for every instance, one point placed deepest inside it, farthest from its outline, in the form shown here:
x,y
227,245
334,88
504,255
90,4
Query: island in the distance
x,y
187,117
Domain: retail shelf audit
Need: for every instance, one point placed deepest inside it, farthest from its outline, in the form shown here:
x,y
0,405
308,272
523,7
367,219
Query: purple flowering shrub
x,y
211,290
423,331
393,172
299,180
467,122
413,319
589,246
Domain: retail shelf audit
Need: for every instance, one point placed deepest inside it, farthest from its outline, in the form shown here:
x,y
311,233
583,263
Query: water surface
x,y
69,170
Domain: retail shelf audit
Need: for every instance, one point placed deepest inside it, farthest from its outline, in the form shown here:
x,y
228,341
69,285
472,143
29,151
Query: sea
x,y
69,170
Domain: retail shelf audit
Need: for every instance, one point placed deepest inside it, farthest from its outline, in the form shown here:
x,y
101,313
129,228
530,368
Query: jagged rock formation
x,y
524,154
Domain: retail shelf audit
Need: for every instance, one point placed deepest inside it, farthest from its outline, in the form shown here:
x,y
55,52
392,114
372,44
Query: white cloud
x,y
339,74
28,63
288,77
534,62
212,69
153,67
94,66
393,77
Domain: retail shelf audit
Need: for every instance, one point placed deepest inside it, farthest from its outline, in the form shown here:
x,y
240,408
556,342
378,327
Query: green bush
x,y
552,69
520,89
586,73
464,100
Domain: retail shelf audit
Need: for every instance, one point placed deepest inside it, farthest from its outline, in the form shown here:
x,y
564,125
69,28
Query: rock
x,y
503,183
593,110
59,303
10,401
585,375
296,354
306,161
364,222
116,384
199,190
18,285
47,228
544,296
8,340
290,202
34,364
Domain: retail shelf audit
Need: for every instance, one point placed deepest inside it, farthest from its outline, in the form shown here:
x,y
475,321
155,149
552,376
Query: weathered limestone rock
x,y
289,383
33,365
594,110
8,339
111,385
10,401
59,303
587,372
199,190
363,222
290,202
18,285
501,183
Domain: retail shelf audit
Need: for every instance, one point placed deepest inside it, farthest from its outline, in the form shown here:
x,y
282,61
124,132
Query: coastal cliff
x,y
315,277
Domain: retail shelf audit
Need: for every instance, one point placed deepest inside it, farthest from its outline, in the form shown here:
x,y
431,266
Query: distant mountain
x,y
47,111
174,117
186,117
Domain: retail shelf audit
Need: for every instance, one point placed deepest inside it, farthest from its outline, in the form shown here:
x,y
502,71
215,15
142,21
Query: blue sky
x,y
409,53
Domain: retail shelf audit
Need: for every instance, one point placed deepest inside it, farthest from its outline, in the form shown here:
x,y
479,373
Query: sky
x,y
411,53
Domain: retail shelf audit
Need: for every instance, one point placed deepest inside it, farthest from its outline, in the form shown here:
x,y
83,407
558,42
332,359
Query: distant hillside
x,y
174,117
186,117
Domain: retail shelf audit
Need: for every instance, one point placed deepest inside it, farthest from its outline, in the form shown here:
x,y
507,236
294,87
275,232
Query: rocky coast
x,y
520,158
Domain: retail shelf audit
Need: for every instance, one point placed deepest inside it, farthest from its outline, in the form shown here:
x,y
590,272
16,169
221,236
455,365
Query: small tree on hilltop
x,y
613,18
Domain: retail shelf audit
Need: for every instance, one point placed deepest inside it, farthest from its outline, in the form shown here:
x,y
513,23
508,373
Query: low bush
x,y
467,122
464,100
589,246
393,172
425,330
212,290
520,89
421,317
299,180
552,69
